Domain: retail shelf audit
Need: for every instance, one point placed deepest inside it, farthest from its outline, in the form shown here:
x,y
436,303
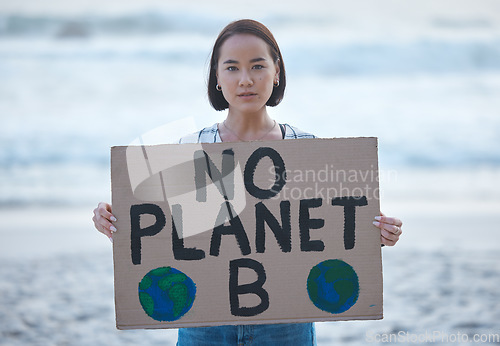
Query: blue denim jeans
x,y
301,334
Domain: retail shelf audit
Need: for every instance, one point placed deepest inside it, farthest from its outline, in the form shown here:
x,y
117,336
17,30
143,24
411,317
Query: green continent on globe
x,y
147,302
179,295
333,286
166,293
167,281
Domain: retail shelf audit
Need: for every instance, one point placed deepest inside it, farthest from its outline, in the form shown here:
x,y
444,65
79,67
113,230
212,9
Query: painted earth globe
x,y
166,293
333,286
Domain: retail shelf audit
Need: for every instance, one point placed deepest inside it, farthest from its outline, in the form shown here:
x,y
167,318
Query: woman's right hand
x,y
103,218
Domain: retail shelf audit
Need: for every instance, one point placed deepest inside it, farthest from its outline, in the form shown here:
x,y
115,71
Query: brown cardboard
x,y
164,176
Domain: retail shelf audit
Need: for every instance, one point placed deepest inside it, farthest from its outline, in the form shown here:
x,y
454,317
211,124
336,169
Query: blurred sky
x,y
391,18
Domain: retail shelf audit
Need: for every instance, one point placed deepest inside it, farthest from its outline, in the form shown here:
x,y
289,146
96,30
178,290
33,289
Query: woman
x,y
246,75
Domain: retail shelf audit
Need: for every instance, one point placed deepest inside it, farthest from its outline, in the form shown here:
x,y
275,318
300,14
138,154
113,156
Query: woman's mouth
x,y
246,95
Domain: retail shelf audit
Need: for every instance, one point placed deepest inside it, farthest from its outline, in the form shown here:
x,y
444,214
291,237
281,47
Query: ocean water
x,y
76,81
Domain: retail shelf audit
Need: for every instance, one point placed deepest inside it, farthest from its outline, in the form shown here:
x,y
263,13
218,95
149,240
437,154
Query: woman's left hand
x,y
390,229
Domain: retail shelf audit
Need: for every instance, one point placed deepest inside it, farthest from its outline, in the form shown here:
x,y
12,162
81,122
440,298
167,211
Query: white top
x,y
211,134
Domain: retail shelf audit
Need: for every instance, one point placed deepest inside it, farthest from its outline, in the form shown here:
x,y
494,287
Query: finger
x,y
104,205
394,221
101,228
107,225
399,231
102,225
389,220
105,217
393,229
100,212
386,241
104,210
388,235
105,231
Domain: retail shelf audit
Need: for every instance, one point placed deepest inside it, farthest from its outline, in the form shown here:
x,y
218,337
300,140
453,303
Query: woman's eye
x,y
232,68
258,67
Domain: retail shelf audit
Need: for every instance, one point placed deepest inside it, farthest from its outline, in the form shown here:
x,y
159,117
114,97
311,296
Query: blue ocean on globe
x,y
166,293
333,286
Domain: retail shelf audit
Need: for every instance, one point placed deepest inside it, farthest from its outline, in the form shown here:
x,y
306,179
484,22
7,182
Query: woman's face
x,y
246,73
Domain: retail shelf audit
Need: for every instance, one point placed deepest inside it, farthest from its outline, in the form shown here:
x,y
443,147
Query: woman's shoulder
x,y
292,132
205,135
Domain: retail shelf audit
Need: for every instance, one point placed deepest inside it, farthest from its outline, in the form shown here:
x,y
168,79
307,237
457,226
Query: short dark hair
x,y
245,26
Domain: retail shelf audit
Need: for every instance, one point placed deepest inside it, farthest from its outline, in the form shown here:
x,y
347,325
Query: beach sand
x,y
441,279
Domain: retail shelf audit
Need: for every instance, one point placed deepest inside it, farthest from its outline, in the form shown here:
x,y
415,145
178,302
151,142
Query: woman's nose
x,y
245,79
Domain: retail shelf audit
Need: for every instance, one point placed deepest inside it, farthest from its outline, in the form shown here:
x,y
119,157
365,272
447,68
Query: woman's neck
x,y
249,127
249,124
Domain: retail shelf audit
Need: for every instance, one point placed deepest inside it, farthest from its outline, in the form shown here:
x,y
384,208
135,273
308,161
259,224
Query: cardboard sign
x,y
246,233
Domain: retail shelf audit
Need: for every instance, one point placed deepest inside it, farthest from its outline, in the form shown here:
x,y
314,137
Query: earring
x,y
218,87
276,83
